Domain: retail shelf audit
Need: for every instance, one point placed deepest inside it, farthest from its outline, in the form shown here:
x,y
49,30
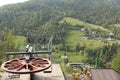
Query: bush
x,y
69,69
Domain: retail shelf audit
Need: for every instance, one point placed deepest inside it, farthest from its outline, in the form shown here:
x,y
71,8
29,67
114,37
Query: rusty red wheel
x,y
21,66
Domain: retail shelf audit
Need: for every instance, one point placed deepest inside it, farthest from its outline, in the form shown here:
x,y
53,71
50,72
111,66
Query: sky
x,y
5,2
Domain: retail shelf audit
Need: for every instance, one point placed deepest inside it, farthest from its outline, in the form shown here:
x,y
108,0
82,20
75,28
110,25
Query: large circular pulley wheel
x,y
22,66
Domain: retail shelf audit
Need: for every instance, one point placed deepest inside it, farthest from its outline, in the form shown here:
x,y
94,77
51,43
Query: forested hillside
x,y
37,13
88,28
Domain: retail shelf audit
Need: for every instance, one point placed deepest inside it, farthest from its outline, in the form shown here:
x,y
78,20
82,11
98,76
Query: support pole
x,y
32,75
7,57
96,62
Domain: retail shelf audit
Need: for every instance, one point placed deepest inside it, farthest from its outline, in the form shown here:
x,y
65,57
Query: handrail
x,y
37,52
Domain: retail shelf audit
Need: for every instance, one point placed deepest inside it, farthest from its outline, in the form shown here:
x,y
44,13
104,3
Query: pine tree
x,y
9,41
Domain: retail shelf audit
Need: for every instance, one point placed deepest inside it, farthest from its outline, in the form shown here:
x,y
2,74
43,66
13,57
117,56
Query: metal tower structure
x,y
29,63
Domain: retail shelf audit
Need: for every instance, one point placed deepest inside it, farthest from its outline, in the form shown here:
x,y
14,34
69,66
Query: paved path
x,y
56,74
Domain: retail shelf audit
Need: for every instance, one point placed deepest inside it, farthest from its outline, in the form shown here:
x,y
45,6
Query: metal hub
x,y
23,66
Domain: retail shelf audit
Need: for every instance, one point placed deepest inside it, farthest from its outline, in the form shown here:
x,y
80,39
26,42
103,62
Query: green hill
x,y
74,22
77,36
36,13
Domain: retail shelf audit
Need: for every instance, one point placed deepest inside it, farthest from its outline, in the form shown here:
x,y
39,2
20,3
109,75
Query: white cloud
x,y
5,2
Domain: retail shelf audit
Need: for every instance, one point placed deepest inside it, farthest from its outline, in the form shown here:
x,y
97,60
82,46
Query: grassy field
x,y
74,37
72,56
74,22
116,25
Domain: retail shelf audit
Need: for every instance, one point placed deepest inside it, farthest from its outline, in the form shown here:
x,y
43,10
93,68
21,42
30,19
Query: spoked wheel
x,y
21,66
